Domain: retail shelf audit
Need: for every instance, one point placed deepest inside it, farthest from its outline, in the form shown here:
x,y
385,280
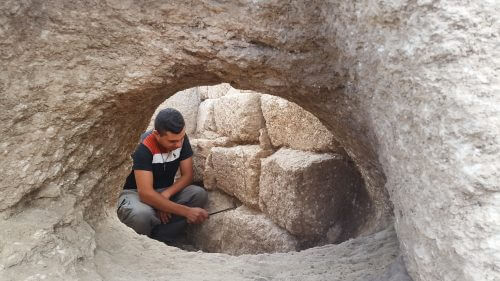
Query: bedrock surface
x,y
410,88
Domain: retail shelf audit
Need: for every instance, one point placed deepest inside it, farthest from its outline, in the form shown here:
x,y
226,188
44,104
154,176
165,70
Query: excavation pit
x,y
290,183
409,86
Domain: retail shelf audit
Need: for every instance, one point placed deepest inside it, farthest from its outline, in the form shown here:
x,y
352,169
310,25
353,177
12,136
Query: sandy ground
x,y
121,254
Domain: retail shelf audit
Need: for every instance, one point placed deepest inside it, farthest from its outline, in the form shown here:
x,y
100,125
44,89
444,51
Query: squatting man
x,y
152,203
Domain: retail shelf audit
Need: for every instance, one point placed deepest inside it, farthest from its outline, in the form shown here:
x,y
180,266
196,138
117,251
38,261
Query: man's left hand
x,y
163,216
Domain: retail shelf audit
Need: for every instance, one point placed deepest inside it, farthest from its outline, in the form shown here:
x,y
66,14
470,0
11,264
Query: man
x,y
151,202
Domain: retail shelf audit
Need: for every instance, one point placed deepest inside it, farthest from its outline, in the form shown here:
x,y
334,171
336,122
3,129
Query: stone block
x,y
264,140
205,121
201,150
239,117
304,192
209,178
242,231
213,92
236,171
246,231
292,126
208,236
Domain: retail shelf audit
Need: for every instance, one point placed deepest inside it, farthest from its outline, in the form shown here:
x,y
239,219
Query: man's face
x,y
169,140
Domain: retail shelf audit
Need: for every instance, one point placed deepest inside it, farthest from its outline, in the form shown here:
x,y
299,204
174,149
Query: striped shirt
x,y
150,156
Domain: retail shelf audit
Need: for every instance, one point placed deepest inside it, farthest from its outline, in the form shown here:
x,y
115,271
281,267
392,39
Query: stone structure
x,y
238,117
288,125
313,197
201,149
237,171
304,192
409,88
242,231
214,92
206,120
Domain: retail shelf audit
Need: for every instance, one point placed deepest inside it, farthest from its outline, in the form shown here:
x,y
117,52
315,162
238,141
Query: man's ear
x,y
156,134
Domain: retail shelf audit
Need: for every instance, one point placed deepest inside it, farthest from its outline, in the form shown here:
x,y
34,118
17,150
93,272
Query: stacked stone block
x,y
237,171
304,192
276,159
240,231
291,126
239,116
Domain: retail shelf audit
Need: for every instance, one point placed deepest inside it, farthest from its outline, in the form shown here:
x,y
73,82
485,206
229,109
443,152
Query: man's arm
x,y
144,181
186,178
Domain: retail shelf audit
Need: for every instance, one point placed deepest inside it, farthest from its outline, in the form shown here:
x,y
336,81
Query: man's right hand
x,y
196,215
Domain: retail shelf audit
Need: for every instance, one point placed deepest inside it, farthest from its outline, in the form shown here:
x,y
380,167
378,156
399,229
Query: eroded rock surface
x,y
305,195
239,117
201,151
289,125
304,192
209,235
242,231
214,92
237,171
361,259
206,121
409,87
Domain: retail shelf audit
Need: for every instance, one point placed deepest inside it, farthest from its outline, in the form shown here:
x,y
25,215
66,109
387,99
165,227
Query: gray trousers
x,y
142,217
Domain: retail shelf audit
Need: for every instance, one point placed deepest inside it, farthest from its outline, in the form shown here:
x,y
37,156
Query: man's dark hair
x,y
169,119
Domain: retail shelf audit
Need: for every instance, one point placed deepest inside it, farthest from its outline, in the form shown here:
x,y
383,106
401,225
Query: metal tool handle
x,y
220,211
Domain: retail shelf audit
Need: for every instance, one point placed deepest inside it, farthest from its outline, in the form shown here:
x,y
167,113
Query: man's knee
x,y
139,218
198,194
202,195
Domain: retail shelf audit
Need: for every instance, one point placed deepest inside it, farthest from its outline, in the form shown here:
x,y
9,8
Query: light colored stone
x,y
201,150
409,88
304,192
213,92
264,140
363,258
292,126
187,102
209,174
246,231
209,235
50,191
236,171
206,120
238,116
218,200
242,231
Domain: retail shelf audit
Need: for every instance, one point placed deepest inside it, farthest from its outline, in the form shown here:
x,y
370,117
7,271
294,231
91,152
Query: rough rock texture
x,y
305,192
264,140
208,236
307,133
238,116
291,126
361,259
201,150
237,170
187,102
205,120
242,231
247,231
409,87
209,175
213,92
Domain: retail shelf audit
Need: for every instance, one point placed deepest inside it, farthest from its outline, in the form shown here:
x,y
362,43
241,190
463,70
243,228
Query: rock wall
x,y
409,87
297,198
